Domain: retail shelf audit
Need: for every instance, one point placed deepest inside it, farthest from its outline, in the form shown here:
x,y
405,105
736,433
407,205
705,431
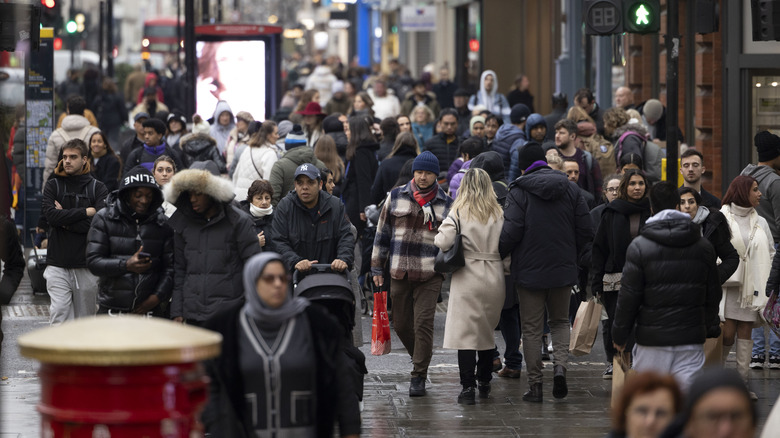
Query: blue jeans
x,y
759,343
510,330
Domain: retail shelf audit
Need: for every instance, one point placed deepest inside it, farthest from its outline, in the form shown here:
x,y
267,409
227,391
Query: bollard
x,y
121,377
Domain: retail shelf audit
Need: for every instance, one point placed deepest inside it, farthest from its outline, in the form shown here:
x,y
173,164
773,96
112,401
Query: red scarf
x,y
424,197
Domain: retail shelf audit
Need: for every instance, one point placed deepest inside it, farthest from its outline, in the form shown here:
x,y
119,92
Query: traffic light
x,y
603,17
641,16
51,14
71,26
766,19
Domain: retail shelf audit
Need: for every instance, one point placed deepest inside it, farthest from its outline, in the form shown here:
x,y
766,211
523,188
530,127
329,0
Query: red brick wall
x,y
708,82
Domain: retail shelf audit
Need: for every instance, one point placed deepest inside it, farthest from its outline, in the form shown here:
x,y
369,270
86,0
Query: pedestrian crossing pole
x,y
672,39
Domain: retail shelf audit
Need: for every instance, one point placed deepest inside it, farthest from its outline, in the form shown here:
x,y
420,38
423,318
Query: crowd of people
x,y
374,176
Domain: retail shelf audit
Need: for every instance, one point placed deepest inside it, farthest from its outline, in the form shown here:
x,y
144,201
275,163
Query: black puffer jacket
x,y
445,152
298,236
201,147
116,234
613,237
209,254
546,228
670,287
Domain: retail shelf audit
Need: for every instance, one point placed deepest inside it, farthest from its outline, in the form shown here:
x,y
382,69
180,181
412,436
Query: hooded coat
x,y
117,232
148,80
533,121
321,79
670,288
283,171
69,225
73,126
209,254
494,101
508,138
201,147
221,133
546,229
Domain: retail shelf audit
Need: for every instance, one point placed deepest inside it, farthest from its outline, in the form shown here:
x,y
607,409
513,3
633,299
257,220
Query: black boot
x,y
417,387
534,393
466,396
560,389
484,389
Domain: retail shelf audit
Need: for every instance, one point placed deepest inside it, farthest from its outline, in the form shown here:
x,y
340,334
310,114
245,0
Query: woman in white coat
x,y
257,160
743,293
477,291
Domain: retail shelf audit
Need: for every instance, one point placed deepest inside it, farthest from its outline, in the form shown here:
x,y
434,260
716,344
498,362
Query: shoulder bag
x,y
452,259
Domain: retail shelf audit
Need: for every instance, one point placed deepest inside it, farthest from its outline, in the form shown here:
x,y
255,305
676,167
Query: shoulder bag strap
x,y
252,160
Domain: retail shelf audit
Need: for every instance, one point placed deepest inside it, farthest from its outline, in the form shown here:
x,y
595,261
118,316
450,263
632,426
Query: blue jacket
x,y
507,137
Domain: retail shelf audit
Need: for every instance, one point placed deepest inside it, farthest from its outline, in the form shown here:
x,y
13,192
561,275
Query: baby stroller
x,y
332,291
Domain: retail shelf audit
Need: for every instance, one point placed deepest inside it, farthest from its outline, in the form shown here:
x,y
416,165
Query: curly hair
x,y
613,119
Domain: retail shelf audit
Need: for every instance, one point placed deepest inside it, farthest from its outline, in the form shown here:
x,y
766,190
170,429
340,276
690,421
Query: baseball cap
x,y
307,169
141,115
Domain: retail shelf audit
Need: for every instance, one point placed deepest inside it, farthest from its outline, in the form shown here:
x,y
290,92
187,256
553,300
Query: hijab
x,y
254,307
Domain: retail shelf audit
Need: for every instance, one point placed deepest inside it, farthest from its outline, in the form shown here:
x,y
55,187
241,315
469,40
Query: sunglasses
x,y
271,278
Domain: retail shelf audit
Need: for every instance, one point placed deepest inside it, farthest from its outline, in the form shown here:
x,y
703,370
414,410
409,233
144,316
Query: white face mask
x,y
260,212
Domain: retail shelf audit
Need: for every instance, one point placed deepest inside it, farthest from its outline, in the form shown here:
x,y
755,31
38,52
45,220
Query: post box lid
x,y
125,340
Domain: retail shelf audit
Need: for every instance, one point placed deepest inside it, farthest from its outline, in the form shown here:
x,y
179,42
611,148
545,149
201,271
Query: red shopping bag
x,y
380,327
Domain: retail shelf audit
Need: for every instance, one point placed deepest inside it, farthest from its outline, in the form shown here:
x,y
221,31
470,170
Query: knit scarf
x,y
755,254
424,198
260,212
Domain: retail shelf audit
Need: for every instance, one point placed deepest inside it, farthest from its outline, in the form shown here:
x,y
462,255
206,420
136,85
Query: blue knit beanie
x,y
295,138
426,161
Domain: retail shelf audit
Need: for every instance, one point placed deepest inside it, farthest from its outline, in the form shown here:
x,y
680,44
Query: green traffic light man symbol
x,y
641,15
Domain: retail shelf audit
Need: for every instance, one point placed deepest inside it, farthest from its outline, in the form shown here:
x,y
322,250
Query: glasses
x,y
612,189
271,278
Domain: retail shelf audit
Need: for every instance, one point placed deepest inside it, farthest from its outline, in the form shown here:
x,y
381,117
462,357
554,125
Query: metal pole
x,y
110,36
178,35
101,39
189,53
672,60
72,36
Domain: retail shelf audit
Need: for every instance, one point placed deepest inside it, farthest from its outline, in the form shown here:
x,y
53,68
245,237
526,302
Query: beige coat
x,y
477,291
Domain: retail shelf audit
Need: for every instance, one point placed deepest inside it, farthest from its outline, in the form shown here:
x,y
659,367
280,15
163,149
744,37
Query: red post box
x,y
121,377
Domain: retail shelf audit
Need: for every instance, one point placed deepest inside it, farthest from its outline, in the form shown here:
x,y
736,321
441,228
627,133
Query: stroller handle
x,y
316,268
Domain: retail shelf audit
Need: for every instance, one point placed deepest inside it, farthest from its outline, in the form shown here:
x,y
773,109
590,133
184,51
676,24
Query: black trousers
x,y
468,360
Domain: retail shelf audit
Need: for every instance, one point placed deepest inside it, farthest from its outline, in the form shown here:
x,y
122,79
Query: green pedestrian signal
x,y
642,16
71,26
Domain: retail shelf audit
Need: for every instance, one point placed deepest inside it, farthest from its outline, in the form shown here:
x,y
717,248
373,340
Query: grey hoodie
x,y
769,186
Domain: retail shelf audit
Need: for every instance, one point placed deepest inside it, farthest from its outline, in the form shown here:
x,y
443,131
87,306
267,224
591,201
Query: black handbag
x,y
452,259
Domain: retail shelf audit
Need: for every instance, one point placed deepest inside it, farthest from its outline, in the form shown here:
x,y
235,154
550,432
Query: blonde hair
x,y
477,198
577,115
555,161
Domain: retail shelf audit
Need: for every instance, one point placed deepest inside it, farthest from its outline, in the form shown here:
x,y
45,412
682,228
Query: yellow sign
x,y
663,172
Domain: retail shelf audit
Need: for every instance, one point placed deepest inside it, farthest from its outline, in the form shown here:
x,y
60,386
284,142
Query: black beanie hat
x,y
332,124
529,154
767,145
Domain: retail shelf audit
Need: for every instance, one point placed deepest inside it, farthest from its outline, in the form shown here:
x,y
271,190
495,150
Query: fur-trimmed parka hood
x,y
636,127
197,180
194,144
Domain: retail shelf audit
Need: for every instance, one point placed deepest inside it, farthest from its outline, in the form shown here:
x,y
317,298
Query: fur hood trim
x,y
636,127
201,181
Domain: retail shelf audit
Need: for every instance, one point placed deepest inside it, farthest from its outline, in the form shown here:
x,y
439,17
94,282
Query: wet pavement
x,y
388,409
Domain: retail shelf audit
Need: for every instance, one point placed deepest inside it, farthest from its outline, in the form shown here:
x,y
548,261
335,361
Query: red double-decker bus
x,y
160,36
